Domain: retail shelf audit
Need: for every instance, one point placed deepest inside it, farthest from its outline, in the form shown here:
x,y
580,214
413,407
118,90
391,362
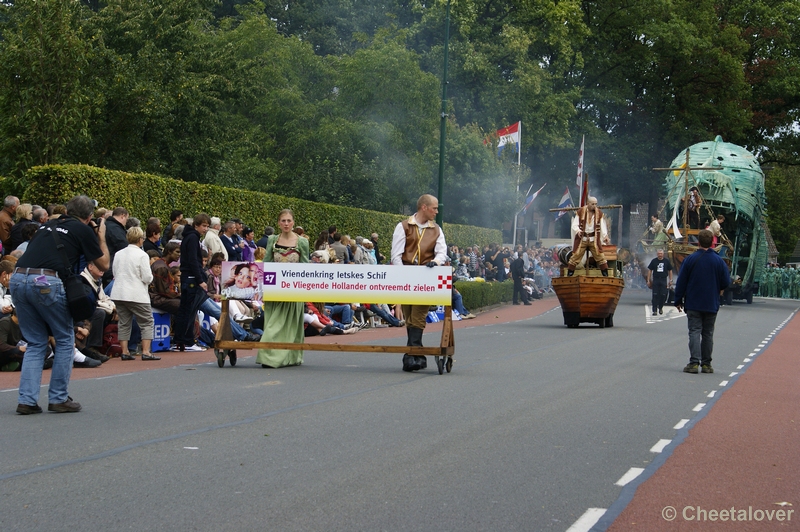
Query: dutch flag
x,y
508,135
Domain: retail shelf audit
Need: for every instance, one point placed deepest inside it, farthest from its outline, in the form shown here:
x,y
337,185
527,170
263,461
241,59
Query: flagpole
x,y
519,147
516,217
443,123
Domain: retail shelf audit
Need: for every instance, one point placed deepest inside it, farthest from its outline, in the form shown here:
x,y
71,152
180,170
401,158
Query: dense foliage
x,y
338,101
147,195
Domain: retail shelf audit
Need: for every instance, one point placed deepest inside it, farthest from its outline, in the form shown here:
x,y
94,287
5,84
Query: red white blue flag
x,y
508,135
566,201
529,201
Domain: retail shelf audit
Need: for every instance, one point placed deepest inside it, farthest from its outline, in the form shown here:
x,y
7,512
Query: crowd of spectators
x,y
117,327
495,262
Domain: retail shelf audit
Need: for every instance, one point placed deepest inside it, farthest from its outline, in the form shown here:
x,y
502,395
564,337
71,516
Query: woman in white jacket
x,y
132,276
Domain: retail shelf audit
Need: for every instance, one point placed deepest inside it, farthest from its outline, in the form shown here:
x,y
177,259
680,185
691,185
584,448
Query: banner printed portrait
x,y
242,280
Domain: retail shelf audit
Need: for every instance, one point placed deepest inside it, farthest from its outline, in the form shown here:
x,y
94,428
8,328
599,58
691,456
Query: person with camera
x,y
41,301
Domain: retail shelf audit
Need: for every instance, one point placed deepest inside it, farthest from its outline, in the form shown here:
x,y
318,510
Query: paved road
x,y
533,427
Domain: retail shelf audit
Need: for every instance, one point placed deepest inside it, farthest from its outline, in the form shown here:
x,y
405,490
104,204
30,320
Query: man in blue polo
x,y
703,275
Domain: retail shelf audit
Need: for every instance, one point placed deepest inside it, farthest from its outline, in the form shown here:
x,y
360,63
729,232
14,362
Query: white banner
x,y
357,283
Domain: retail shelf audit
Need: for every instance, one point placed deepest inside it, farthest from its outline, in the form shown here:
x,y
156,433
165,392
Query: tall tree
x,y
44,105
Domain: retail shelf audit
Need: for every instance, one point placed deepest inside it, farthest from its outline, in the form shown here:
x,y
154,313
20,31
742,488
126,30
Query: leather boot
x,y
570,270
604,270
412,362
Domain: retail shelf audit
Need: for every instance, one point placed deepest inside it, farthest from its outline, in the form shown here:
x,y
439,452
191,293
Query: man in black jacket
x,y
518,273
116,239
194,289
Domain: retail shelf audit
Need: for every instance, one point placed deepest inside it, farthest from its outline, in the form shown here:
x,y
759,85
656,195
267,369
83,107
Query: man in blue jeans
x,y
194,289
703,275
41,301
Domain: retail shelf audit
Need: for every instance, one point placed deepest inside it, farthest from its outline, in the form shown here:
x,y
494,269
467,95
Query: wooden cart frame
x,y
225,346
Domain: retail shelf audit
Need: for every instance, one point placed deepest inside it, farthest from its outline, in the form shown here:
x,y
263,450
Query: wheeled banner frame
x,y
225,346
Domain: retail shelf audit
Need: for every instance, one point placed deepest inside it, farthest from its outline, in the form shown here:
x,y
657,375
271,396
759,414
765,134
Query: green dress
x,y
283,320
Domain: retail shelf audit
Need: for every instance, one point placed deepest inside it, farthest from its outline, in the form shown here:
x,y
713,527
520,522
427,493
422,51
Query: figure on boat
x,y
718,186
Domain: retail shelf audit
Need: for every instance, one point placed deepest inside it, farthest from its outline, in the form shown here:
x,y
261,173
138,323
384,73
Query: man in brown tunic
x,y
418,241
590,229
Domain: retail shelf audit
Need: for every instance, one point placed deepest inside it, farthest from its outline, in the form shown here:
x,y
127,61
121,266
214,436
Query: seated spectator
x,y
27,233
105,313
6,304
343,311
24,216
370,249
458,305
79,359
12,348
382,311
462,270
152,237
316,323
163,291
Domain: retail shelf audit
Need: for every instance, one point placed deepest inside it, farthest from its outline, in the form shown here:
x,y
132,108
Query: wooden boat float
x,y
587,296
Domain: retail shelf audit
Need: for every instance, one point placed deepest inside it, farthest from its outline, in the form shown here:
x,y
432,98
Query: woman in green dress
x,y
283,320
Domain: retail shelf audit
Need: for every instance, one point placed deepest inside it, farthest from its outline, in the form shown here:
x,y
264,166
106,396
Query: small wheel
x,y
572,326
232,357
440,364
610,321
220,354
449,364
602,323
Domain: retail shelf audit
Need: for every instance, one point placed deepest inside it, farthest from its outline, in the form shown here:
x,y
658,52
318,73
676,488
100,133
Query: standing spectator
x,y
518,274
378,255
702,277
322,242
268,232
117,239
40,216
227,237
249,245
42,305
418,241
342,254
132,276
331,231
212,241
10,205
498,261
660,270
194,289
175,219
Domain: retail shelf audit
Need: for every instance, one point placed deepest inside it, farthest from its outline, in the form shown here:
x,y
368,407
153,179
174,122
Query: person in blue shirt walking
x,y
703,275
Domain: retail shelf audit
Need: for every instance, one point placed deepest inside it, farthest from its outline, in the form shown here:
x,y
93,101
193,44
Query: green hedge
x,y
146,195
480,295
